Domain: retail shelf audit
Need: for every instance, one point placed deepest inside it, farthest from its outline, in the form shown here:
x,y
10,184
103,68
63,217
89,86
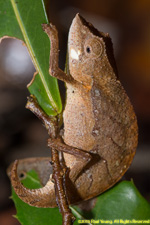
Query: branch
x,y
61,198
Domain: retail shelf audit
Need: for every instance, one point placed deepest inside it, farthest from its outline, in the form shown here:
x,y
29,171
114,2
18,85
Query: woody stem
x,y
61,198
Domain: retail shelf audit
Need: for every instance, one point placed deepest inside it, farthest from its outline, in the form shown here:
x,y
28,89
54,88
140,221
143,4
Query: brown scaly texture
x,y
98,118
109,127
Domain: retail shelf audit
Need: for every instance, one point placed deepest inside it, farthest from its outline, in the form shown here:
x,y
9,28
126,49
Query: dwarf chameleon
x,y
100,134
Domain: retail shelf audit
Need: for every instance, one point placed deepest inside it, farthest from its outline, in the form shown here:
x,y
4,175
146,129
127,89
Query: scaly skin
x,y
99,120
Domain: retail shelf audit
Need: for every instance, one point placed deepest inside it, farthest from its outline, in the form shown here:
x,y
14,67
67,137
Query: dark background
x,y
21,133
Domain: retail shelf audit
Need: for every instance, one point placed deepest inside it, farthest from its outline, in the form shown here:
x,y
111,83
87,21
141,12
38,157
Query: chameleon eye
x,y
93,47
88,49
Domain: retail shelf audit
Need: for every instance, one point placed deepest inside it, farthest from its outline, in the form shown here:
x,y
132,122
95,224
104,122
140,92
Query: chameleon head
x,y
87,50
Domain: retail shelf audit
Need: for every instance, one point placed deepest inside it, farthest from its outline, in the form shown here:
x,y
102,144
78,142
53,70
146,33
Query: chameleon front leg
x,y
54,69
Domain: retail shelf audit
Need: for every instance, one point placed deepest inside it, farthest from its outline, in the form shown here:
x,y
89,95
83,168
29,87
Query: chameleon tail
x,y
42,197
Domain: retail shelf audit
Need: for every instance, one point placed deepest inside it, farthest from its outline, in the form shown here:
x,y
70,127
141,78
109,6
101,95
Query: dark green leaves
x,y
22,19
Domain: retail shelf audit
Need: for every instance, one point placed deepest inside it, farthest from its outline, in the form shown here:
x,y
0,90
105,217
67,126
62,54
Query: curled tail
x,y
42,197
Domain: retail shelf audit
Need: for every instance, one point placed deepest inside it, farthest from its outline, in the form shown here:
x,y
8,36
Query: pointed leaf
x,y
23,19
121,203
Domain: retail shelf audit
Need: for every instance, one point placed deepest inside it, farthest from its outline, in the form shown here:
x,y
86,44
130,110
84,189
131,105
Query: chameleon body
x,y
98,117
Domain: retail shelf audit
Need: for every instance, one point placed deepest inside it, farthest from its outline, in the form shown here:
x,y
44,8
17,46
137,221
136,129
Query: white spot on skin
x,y
97,93
84,31
96,111
93,151
96,132
89,175
78,185
75,54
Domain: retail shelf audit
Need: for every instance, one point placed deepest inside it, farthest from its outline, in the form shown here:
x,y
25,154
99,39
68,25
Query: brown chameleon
x,y
100,132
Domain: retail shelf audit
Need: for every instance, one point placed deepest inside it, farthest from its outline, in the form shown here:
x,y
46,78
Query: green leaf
x,y
29,215
118,204
22,19
122,202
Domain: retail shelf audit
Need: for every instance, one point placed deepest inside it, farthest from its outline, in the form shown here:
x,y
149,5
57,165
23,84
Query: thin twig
x,y
61,198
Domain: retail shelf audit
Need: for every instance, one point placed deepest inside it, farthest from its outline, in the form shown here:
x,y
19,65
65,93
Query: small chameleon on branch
x,y
100,132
